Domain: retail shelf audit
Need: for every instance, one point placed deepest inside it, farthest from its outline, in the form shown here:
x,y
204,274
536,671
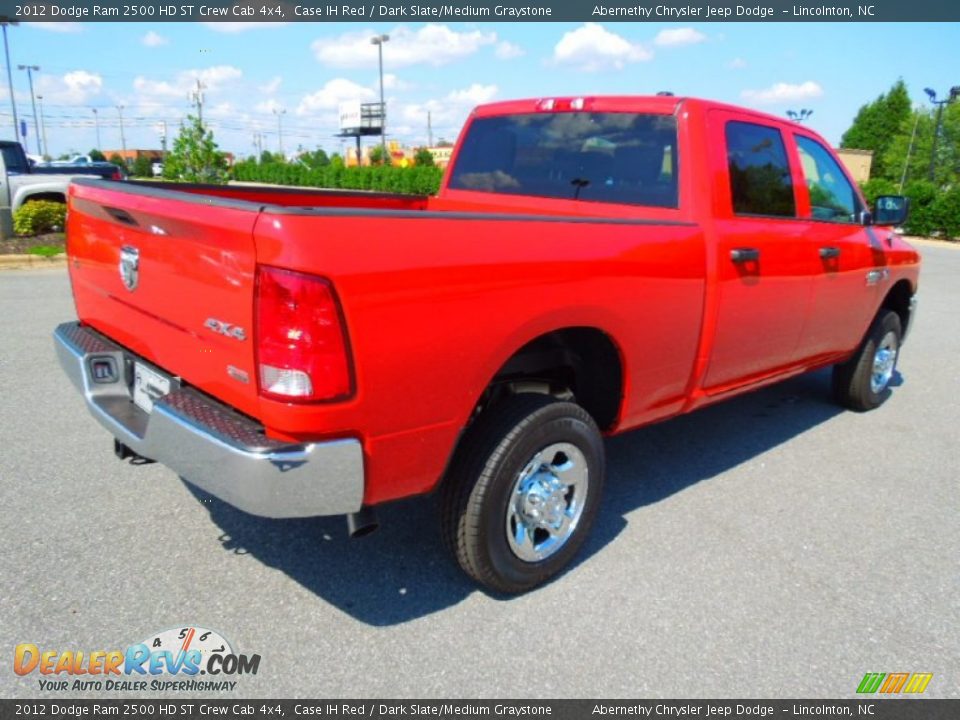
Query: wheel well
x,y
579,362
52,196
898,300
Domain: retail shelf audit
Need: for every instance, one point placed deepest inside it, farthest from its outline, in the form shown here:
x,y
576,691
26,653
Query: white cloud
x,y
392,82
679,36
238,27
332,94
214,78
476,94
268,106
432,44
447,115
737,64
153,39
507,50
592,47
73,88
783,92
271,87
58,27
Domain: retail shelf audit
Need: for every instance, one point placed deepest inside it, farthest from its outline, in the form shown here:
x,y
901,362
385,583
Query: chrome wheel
x,y
547,501
884,363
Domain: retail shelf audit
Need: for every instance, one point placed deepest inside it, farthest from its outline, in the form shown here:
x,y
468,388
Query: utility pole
x,y
123,139
43,128
13,103
280,112
429,130
36,126
96,120
379,40
906,163
197,98
163,141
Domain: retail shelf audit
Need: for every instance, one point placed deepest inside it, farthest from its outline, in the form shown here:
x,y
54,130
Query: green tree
x,y
877,123
423,158
267,157
118,161
315,159
97,156
142,167
377,155
195,156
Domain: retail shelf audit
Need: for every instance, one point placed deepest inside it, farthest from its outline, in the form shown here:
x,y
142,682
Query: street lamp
x,y
280,112
379,40
13,104
43,128
799,116
36,126
932,94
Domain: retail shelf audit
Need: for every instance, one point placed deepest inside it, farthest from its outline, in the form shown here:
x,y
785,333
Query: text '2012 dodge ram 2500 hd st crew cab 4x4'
x,y
589,266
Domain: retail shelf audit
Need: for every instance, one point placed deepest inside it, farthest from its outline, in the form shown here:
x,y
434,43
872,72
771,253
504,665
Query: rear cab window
x,y
623,158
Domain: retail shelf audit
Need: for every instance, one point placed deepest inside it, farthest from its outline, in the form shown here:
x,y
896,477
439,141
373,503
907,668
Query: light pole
x,y
280,112
799,117
43,128
36,126
96,120
954,92
379,40
13,104
123,139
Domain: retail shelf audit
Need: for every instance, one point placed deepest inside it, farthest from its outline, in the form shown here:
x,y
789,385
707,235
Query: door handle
x,y
828,253
742,255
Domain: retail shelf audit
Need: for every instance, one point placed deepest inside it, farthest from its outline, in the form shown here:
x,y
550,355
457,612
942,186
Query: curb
x,y
20,262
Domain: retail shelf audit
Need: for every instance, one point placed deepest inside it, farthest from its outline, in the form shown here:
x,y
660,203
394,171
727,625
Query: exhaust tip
x,y
362,523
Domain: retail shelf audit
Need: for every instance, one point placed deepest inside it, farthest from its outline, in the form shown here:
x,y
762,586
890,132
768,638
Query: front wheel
x,y
523,491
863,382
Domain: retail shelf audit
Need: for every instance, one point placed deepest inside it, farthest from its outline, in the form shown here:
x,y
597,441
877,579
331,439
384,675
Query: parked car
x,y
589,266
21,182
157,169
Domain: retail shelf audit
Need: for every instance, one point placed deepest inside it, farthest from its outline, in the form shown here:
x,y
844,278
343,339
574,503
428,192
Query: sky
x,y
251,70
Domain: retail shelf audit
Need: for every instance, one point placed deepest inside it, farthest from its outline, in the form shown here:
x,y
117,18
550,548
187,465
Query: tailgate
x,y
170,276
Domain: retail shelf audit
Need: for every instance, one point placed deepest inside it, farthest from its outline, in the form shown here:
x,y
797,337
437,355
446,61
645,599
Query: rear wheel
x,y
863,382
523,491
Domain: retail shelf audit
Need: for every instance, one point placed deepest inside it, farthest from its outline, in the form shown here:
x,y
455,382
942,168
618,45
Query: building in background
x,y
857,162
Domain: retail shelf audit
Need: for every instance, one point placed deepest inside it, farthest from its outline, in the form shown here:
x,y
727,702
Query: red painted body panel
x,y
438,293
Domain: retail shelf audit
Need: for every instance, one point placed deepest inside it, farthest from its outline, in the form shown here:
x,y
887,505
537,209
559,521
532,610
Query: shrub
x,y
946,212
417,180
39,216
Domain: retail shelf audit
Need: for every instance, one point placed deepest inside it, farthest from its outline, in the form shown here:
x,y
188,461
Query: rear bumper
x,y
210,445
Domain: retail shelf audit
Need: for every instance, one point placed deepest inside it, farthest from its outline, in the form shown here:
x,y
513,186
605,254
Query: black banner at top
x,y
481,11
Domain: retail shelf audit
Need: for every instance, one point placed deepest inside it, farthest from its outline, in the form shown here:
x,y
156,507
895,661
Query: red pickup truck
x,y
589,266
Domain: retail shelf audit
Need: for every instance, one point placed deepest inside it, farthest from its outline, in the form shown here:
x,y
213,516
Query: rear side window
x,y
760,180
624,158
13,159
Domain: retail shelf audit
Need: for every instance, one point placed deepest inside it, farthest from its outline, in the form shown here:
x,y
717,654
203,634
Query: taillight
x,y
302,350
116,175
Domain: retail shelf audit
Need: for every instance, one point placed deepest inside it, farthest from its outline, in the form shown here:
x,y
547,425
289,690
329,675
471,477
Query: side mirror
x,y
891,210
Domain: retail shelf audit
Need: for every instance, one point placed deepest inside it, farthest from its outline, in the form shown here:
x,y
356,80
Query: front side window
x,y
760,180
624,158
832,197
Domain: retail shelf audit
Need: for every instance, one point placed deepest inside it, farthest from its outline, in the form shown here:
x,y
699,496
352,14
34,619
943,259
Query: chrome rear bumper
x,y
210,445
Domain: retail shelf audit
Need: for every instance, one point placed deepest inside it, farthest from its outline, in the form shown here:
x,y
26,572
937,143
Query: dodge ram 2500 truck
x,y
589,266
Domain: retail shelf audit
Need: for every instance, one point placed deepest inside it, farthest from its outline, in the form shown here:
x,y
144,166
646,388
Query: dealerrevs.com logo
x,y
172,660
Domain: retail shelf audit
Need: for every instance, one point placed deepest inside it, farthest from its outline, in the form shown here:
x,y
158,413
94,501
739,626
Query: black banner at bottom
x,y
867,709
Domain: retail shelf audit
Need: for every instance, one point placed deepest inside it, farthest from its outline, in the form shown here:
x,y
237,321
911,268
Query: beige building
x,y
857,162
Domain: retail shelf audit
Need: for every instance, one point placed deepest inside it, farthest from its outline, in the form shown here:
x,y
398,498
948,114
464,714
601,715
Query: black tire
x,y
477,492
853,385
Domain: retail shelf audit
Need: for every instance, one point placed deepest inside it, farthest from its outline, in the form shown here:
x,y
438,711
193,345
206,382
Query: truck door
x,y
763,273
850,276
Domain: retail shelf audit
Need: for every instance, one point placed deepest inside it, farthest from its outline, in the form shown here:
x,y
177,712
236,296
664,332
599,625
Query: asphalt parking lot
x,y
772,546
